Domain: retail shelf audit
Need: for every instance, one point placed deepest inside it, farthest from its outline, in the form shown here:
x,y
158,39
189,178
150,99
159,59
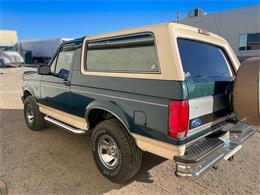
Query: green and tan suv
x,y
165,89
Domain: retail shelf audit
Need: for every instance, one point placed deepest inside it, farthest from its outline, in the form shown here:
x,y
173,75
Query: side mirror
x,y
44,70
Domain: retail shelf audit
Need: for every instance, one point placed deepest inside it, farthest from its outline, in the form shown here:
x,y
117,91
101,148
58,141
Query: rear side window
x,y
133,53
202,60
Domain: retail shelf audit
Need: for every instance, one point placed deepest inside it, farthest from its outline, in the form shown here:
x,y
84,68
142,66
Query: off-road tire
x,y
38,122
130,156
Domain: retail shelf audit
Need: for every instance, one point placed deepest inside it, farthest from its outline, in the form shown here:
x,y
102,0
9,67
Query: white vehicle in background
x,y
42,50
8,49
10,56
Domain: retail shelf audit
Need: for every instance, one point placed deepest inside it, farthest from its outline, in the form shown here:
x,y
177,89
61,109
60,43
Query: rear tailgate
x,y
209,110
209,77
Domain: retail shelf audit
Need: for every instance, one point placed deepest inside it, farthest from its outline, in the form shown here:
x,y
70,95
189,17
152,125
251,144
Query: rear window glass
x,y
202,60
133,53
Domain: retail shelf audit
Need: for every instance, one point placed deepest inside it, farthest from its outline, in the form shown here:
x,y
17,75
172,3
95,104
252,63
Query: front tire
x,y
115,152
34,119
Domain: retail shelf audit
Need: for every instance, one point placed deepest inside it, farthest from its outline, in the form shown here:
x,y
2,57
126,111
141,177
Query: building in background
x,y
240,27
8,37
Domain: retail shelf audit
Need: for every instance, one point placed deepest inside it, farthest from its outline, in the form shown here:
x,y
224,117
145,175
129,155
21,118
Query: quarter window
x,y
135,53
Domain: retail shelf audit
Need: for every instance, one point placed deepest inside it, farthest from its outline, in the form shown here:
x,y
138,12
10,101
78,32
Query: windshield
x,y
202,60
7,48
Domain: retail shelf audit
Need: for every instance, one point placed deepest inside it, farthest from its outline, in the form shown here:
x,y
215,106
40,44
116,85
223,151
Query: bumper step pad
x,y
199,150
206,153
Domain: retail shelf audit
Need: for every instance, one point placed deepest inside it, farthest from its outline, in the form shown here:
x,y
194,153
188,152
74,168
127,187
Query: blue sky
x,y
41,19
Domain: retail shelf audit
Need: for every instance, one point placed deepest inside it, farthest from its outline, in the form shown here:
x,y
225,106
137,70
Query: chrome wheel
x,y
29,113
108,151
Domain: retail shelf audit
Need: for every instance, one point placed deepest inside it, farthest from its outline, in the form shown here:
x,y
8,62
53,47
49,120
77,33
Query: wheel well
x,y
95,116
26,93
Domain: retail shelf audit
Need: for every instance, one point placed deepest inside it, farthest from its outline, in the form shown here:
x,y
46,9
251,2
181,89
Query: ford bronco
x,y
165,89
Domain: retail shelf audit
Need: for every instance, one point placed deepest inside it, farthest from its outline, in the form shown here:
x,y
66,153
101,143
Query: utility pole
x,y
177,16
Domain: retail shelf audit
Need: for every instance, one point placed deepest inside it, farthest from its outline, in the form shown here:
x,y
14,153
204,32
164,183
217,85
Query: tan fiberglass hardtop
x,y
167,49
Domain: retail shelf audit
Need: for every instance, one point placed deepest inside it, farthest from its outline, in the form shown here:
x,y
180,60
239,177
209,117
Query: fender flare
x,y
29,89
109,107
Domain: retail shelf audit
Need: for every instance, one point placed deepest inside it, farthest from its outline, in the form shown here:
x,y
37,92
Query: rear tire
x,y
34,119
115,152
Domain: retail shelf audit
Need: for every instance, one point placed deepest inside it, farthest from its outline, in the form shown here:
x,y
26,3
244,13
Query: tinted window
x,y
249,41
136,53
64,62
201,60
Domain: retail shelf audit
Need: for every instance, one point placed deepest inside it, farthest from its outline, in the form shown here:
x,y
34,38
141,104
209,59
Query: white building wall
x,y
8,37
230,24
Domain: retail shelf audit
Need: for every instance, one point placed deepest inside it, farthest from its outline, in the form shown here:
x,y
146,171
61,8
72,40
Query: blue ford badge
x,y
196,122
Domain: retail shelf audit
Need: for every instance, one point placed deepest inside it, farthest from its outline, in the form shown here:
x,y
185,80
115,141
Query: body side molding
x,y
70,119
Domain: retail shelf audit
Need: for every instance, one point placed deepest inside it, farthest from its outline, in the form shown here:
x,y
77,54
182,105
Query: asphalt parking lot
x,y
54,161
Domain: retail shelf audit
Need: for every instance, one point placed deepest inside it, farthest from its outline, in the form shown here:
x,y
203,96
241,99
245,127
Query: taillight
x,y
178,119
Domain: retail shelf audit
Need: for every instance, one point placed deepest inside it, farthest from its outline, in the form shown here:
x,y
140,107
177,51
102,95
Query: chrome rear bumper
x,y
207,153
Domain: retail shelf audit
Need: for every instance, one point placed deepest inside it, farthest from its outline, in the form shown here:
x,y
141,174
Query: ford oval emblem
x,y
196,122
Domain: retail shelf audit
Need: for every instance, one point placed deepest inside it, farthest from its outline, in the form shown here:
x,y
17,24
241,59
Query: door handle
x,y
67,83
